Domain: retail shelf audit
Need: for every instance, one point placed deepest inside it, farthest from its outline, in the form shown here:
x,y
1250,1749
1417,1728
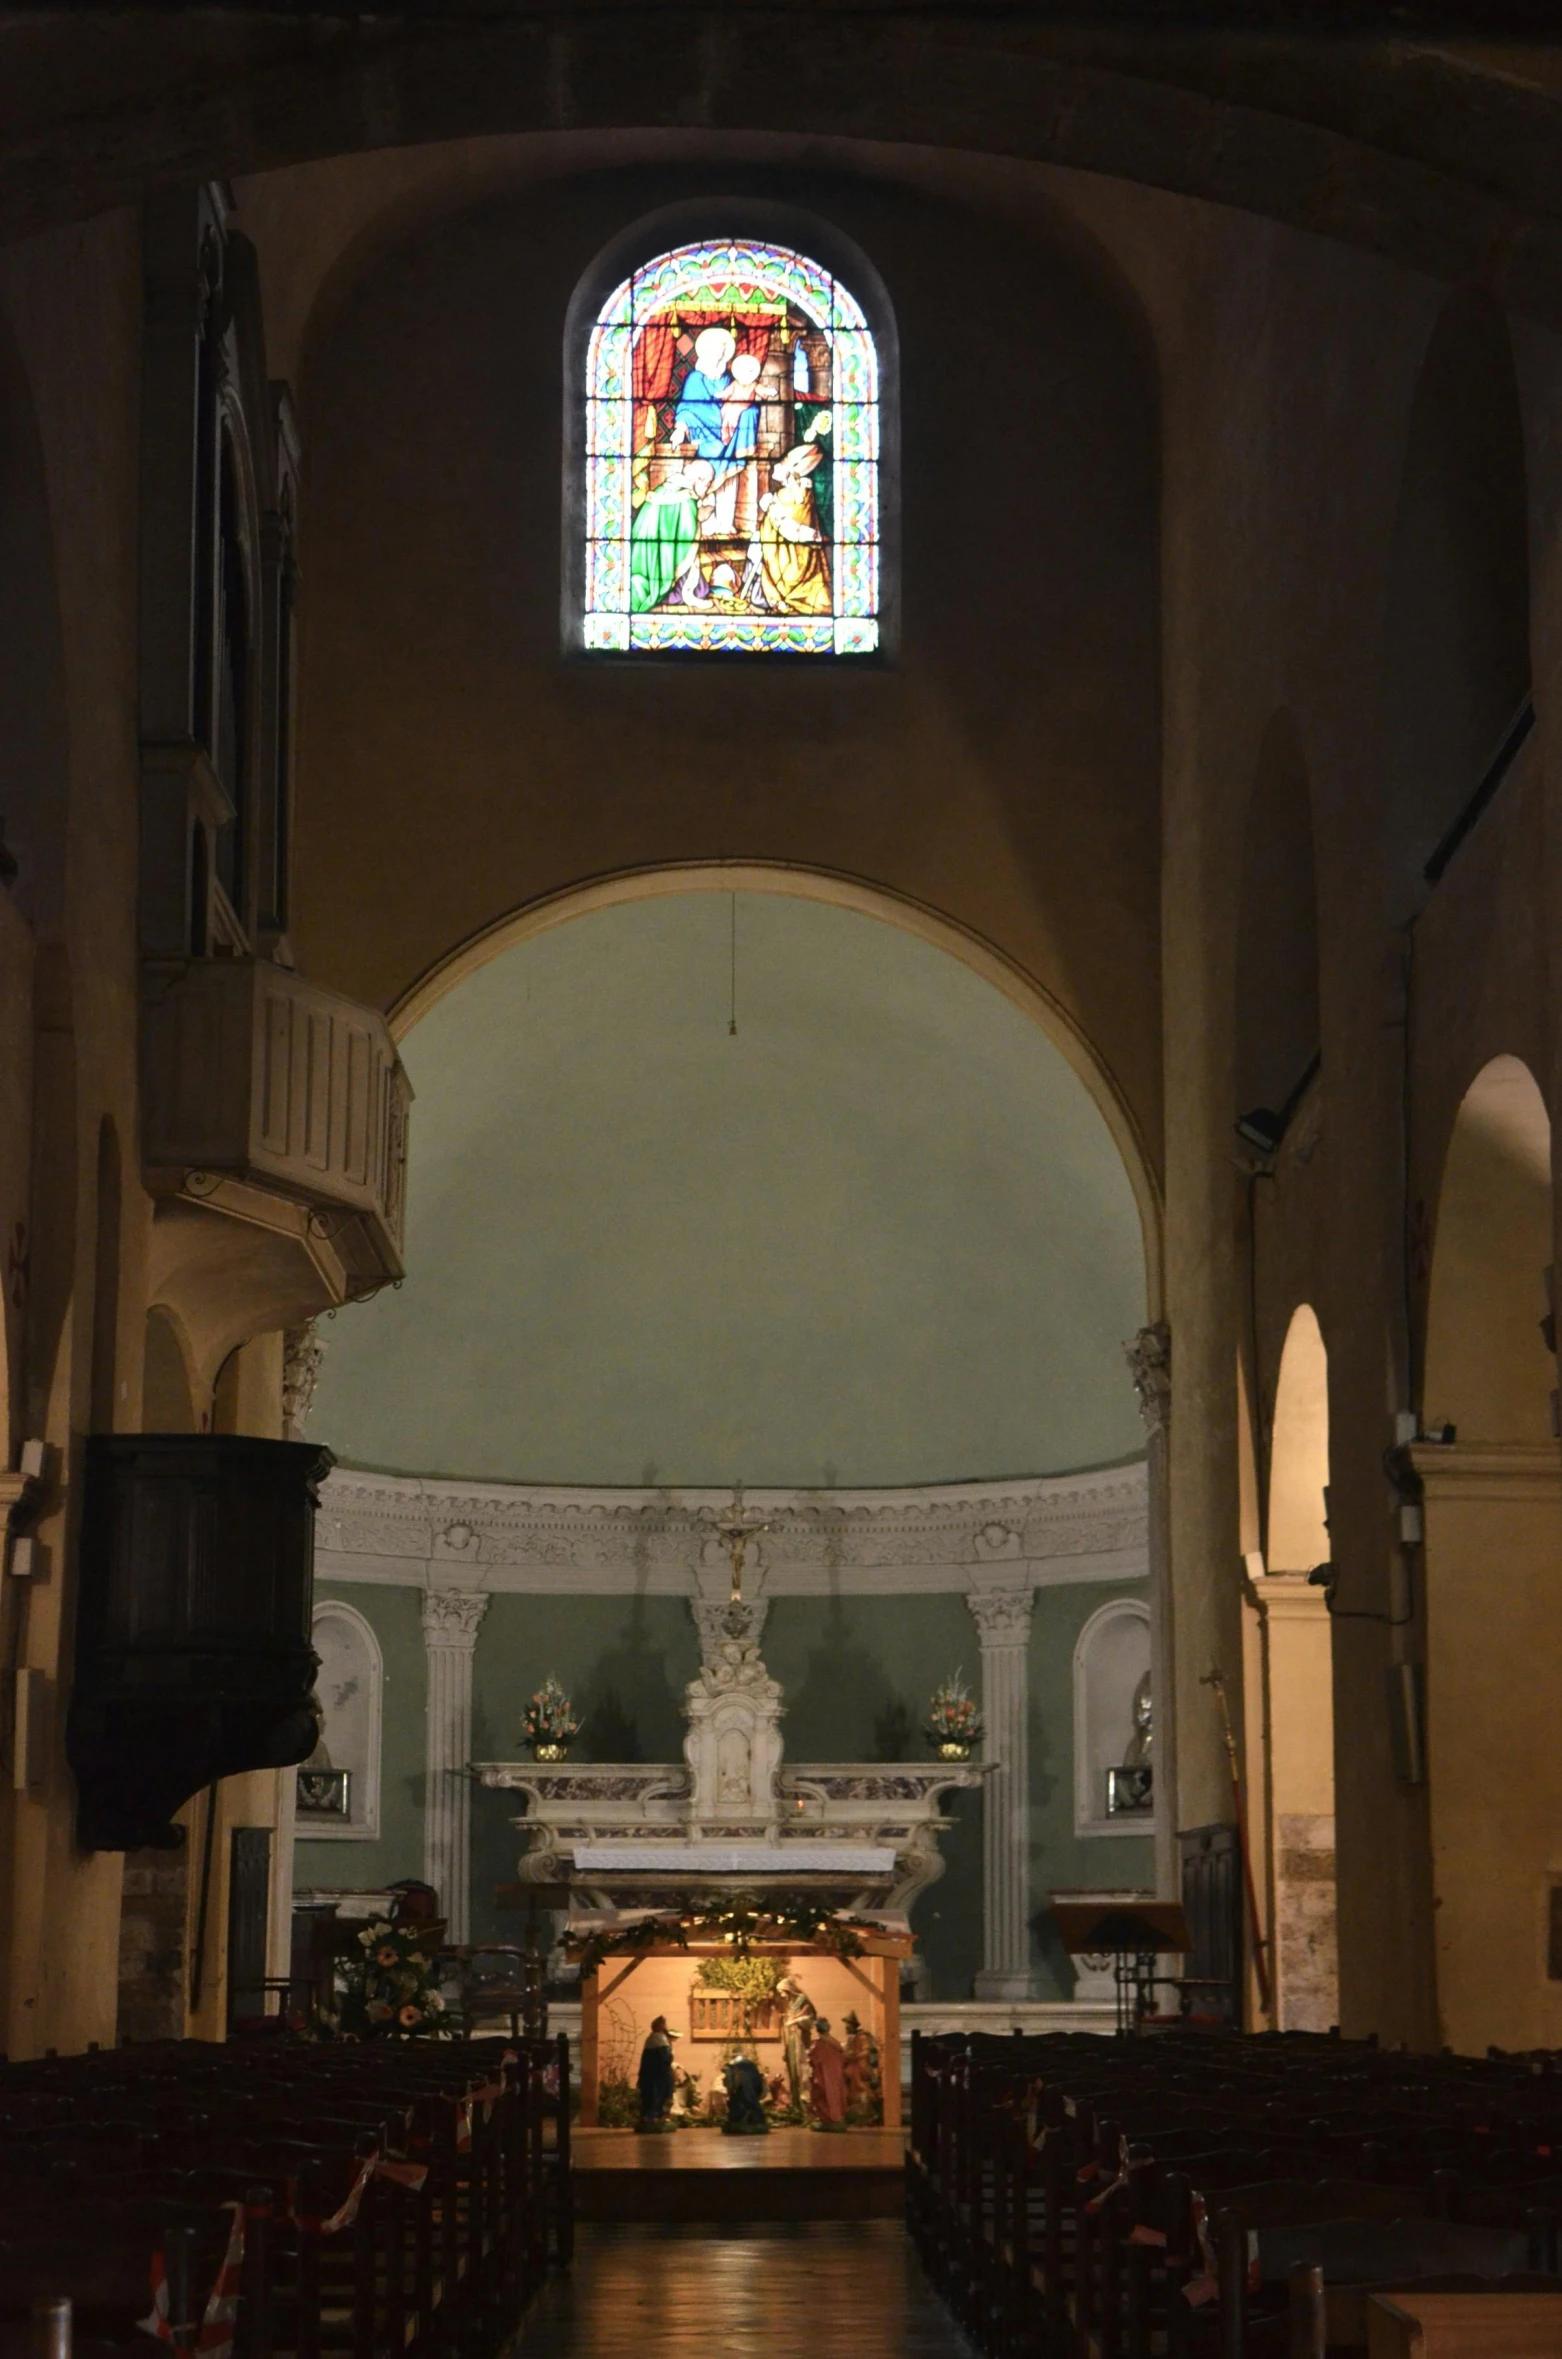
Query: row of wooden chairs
x,y
1155,2197
276,2200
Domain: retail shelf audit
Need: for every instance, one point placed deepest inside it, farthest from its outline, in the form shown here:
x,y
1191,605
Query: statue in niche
x,y
1141,1744
1130,1787
732,1766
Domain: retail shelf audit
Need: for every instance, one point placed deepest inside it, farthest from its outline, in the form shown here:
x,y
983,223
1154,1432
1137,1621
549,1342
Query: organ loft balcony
x,y
274,1130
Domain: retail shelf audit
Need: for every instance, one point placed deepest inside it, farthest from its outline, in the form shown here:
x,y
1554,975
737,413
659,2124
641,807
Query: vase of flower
x,y
549,1725
385,1992
953,1726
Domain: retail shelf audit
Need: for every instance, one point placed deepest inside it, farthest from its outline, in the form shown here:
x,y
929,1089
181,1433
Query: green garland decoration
x,y
779,1921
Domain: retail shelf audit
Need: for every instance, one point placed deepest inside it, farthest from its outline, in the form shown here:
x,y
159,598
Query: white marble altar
x,y
733,1815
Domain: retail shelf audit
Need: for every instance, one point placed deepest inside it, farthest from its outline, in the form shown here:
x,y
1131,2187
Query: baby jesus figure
x,y
737,491
743,388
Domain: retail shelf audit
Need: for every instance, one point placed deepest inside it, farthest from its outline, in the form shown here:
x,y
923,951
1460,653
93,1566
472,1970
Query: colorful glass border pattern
x,y
732,275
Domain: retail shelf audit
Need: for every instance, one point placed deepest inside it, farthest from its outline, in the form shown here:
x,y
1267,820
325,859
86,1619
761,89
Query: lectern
x,y
1135,1931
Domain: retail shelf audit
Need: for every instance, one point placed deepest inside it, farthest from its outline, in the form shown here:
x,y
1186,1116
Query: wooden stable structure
x,y
620,1998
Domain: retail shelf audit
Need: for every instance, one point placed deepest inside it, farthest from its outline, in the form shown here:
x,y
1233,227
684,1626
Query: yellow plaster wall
x,y
71,303
1494,1619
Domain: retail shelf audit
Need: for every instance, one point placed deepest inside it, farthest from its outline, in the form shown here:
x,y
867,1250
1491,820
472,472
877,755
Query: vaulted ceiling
x,y
1378,130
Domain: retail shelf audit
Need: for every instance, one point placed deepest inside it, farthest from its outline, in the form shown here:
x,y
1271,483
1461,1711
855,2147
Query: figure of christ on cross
x,y
738,1529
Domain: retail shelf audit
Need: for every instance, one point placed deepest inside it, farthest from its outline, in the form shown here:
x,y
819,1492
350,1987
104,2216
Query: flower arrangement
x,y
386,1993
548,1722
954,1726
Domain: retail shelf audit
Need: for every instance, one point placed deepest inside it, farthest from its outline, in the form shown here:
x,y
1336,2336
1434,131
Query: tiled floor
x,y
817,2290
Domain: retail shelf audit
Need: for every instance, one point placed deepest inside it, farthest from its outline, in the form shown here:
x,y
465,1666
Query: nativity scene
x,y
735,1904
732,440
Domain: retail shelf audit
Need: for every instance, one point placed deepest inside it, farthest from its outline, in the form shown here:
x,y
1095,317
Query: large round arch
x,y
839,892
872,1230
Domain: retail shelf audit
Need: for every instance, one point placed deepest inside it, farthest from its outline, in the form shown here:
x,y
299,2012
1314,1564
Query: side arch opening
x,y
1493,1541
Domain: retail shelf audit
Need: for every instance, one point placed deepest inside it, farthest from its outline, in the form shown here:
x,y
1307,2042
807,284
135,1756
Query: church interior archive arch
x,y
762,1113
758,783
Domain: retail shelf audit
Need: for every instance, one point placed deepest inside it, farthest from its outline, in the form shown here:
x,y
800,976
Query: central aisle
x,y
807,2291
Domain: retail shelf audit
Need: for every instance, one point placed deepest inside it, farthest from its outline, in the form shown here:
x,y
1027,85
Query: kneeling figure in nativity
x,y
656,2075
826,2078
745,2098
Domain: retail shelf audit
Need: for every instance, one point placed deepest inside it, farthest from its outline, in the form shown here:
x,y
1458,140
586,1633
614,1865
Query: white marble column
x,y
451,1619
1003,1624
1149,1359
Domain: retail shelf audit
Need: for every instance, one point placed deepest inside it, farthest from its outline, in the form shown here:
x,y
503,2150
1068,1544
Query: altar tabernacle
x,y
733,1817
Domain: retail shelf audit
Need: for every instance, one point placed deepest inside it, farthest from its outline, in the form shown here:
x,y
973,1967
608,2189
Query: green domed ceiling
x,y
881,1236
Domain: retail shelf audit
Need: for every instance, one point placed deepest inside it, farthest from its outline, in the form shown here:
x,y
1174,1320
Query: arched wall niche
x,y
1298,1534
1111,1658
838,892
430,644
350,1687
1457,653
1277,1026
1488,1370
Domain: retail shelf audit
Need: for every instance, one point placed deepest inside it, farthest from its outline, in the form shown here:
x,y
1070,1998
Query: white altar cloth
x,y
737,1859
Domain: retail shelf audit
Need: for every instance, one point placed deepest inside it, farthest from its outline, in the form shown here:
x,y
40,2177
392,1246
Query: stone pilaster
x,y
1149,1361
1003,1619
451,1620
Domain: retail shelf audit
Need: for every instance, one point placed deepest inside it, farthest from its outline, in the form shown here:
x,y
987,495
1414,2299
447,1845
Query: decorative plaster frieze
x,y
951,1538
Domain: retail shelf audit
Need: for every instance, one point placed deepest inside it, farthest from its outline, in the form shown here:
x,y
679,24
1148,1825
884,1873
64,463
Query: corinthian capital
x,y
303,1349
1149,1363
452,1617
1002,1616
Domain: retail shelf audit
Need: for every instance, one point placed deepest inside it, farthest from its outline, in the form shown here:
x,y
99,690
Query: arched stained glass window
x,y
732,458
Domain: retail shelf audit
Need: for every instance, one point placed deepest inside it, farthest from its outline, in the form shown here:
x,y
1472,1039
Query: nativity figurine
x,y
745,2084
656,2075
826,2078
